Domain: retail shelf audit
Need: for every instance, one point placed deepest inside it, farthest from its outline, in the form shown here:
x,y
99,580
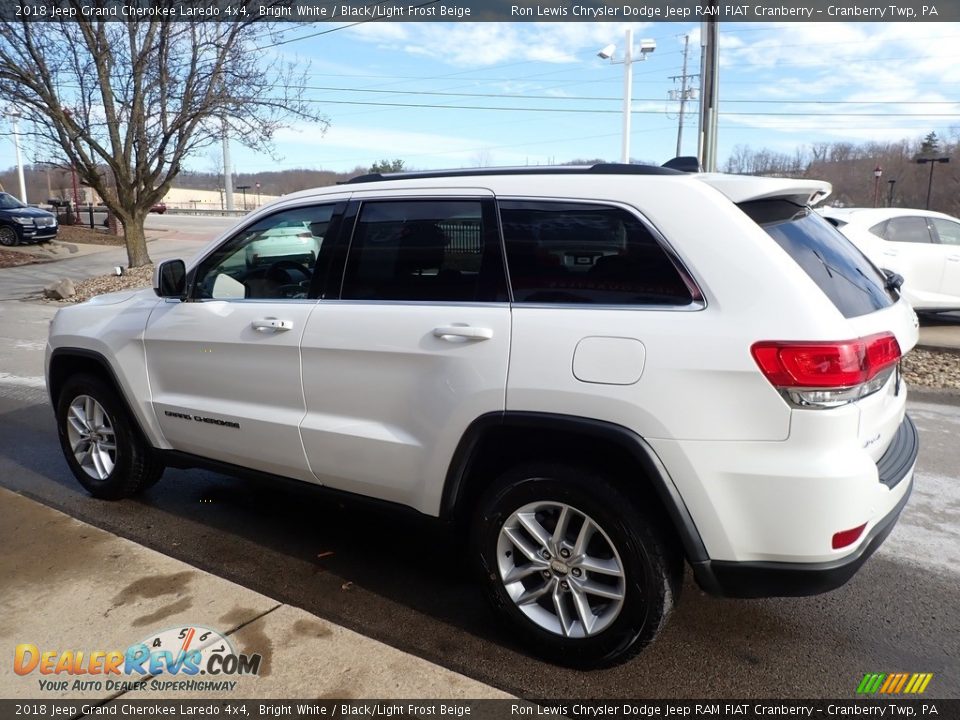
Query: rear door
x,y
948,233
911,240
414,350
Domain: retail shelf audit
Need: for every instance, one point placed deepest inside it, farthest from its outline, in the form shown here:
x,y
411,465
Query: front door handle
x,y
954,258
465,332
271,325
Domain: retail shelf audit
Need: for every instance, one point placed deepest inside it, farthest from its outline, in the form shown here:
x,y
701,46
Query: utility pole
x,y
227,170
685,93
709,100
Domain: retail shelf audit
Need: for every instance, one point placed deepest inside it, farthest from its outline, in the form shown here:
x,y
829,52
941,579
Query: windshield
x,y
9,202
844,274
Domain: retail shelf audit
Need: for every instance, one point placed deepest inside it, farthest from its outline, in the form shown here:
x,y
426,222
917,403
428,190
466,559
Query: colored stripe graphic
x,y
894,683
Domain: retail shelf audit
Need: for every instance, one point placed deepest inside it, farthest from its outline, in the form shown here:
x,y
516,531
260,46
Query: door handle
x,y
953,258
890,253
271,325
465,332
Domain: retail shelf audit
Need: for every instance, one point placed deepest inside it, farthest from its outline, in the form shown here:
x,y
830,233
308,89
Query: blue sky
x,y
782,86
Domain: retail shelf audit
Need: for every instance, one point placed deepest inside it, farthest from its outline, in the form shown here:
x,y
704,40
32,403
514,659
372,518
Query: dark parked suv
x,y
21,223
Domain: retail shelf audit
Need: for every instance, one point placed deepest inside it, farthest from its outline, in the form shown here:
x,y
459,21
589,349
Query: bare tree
x,y
127,101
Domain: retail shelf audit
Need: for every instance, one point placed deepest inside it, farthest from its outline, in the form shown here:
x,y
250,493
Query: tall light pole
x,y
15,125
931,161
877,172
227,170
646,47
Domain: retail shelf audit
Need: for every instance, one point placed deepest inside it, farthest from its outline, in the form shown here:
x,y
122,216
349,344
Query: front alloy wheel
x,y
8,236
101,442
91,437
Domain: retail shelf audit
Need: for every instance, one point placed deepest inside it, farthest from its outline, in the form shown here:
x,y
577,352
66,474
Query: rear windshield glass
x,y
854,285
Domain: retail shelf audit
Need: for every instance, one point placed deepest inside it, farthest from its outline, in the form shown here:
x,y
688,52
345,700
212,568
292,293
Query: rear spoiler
x,y
744,188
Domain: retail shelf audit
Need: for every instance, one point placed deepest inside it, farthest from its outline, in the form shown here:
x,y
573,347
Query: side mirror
x,y
170,279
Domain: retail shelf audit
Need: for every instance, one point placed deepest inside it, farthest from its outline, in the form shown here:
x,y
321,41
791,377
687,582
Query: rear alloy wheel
x,y
101,442
583,574
8,236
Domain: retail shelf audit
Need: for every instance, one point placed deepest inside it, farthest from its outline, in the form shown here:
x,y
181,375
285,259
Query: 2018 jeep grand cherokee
x,y
597,373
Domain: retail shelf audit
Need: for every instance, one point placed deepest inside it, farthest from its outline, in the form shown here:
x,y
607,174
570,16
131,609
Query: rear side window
x,y
854,285
559,252
913,229
425,250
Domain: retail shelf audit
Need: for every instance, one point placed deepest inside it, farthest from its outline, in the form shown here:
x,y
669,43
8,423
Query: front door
x,y
224,366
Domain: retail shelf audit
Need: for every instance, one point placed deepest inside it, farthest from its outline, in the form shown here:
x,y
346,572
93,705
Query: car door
x,y
415,349
948,233
224,365
915,254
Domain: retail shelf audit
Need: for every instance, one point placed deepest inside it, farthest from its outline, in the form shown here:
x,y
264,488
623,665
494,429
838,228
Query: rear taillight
x,y
827,374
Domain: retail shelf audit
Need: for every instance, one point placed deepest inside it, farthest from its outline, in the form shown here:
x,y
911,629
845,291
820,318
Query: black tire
x,y
652,567
8,236
136,465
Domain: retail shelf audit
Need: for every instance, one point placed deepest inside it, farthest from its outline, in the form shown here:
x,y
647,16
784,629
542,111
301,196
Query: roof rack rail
x,y
597,169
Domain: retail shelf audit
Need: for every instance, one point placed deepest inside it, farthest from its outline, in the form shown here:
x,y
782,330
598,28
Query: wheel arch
x,y
496,441
67,362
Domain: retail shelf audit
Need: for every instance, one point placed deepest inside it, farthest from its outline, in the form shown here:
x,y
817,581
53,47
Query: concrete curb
x,y
69,586
940,396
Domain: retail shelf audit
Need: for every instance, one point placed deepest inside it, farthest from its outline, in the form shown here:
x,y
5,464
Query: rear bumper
x,y
780,579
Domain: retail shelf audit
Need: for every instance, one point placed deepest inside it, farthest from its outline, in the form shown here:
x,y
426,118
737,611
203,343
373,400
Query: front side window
x,y
947,230
274,259
563,252
424,250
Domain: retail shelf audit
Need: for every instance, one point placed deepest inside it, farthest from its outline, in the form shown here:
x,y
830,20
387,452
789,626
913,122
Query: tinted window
x,y
854,285
575,253
947,230
907,229
272,259
424,250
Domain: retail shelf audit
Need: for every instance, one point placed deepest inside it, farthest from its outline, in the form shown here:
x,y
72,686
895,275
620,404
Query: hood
x,y
31,212
120,296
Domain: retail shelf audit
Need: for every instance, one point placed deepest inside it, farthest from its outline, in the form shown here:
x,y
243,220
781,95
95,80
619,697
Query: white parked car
x,y
595,373
920,245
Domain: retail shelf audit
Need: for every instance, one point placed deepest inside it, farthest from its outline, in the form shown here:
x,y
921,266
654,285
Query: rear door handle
x,y
465,332
953,258
271,325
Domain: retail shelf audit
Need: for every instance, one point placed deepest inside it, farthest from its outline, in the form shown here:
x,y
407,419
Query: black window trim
x,y
698,298
492,236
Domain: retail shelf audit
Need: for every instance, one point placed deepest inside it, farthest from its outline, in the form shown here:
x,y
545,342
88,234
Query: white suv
x,y
596,373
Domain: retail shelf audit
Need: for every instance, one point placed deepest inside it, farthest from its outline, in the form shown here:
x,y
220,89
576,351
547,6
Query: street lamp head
x,y
607,52
877,172
647,46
